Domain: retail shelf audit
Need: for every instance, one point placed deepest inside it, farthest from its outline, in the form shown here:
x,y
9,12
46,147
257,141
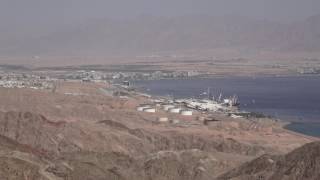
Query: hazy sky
x,y
57,11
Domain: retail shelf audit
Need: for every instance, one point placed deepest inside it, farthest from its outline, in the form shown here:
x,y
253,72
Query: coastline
x,y
297,126
313,138
211,76
283,123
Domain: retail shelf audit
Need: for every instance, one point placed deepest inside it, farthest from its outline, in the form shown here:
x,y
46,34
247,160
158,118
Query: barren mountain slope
x,y
110,149
300,164
93,136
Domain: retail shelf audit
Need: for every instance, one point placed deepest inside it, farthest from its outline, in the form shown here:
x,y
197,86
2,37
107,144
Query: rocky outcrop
x,y
173,140
301,164
34,147
111,149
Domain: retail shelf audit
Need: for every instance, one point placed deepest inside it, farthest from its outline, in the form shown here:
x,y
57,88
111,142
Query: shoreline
x,y
282,123
313,138
301,125
236,76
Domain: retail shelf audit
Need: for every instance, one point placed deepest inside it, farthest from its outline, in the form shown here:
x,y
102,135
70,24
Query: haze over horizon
x,y
96,27
68,11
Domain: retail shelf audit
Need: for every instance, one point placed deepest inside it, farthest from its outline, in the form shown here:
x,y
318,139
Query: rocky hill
x,y
53,150
53,136
301,164
33,147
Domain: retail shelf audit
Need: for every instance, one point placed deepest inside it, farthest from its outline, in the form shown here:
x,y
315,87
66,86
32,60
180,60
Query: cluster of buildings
x,y
31,80
85,76
165,75
308,70
15,80
96,76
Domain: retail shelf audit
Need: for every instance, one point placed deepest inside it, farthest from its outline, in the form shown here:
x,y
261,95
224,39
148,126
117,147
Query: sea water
x,y
295,99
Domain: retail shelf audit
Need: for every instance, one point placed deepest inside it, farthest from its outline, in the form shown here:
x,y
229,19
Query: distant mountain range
x,y
147,34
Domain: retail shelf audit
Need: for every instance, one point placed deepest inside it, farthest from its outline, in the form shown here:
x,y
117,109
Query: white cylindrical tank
x,y
186,113
141,108
167,107
149,110
163,119
174,110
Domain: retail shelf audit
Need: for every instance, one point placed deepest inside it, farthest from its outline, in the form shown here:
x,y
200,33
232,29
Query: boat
x,y
231,101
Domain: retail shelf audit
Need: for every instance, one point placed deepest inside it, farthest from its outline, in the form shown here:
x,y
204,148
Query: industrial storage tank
x,y
150,110
174,110
163,119
186,113
167,107
141,108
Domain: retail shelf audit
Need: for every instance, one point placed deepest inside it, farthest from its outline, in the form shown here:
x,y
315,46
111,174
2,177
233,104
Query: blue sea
x,y
294,99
